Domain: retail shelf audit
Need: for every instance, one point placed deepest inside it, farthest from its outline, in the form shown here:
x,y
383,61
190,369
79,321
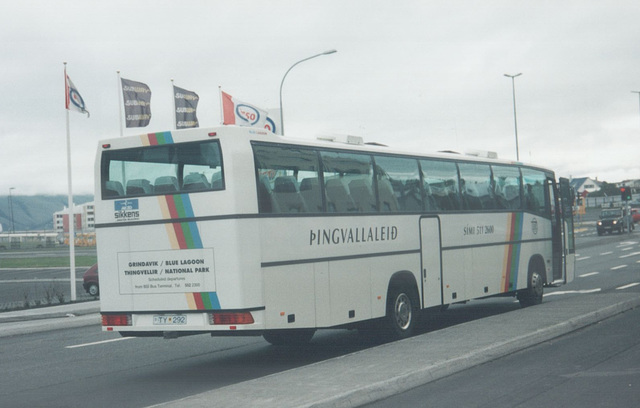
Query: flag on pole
x,y
273,124
186,103
73,100
137,103
237,112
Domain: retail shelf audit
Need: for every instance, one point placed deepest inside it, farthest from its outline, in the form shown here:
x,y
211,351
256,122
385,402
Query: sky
x,y
415,75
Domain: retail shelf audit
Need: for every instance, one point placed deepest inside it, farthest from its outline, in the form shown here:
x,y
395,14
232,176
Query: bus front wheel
x,y
535,289
402,311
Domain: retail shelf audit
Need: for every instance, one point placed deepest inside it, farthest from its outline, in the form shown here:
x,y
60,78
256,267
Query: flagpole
x,y
221,102
72,247
175,117
120,104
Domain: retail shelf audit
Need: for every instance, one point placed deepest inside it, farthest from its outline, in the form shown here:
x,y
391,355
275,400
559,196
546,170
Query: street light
x,y
638,92
285,75
515,120
11,209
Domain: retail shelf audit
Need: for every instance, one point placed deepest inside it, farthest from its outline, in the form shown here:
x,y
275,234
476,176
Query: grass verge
x,y
47,262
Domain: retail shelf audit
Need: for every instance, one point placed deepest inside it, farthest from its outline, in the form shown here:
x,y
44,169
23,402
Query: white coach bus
x,y
239,231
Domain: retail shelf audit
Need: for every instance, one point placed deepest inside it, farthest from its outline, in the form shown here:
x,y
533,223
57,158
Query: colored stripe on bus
x,y
155,139
512,252
203,301
182,235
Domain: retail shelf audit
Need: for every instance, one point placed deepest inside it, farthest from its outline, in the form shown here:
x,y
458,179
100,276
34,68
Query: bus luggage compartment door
x,y
431,261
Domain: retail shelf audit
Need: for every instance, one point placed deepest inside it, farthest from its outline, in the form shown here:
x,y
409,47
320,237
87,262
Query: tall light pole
x,y
13,229
285,75
638,92
515,119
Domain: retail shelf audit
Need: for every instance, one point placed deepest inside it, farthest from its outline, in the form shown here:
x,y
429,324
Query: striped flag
x,y
73,100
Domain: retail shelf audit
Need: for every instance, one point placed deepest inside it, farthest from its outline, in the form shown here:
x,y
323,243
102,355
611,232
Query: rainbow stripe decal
x,y
512,252
203,301
155,139
185,235
182,235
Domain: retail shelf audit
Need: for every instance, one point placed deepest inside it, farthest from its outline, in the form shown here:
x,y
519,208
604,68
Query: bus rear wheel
x,y
535,289
289,337
402,311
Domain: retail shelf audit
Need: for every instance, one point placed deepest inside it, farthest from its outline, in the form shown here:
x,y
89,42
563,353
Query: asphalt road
x,y
598,366
85,367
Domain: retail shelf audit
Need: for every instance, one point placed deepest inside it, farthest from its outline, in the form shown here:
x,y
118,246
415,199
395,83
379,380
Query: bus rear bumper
x,y
183,323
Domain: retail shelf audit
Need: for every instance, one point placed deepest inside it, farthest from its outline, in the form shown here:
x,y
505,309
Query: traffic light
x,y
625,193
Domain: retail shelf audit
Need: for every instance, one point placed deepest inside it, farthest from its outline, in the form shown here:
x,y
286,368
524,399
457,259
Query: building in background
x,y
84,216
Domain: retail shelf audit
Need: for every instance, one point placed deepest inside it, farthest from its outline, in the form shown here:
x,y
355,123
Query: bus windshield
x,y
164,169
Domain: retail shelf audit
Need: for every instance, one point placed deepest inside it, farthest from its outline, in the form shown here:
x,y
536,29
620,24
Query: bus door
x,y
562,231
568,243
431,261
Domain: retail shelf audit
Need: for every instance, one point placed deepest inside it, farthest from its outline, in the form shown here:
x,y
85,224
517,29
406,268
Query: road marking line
x,y
607,253
583,258
99,342
566,292
588,274
628,286
628,255
618,267
626,249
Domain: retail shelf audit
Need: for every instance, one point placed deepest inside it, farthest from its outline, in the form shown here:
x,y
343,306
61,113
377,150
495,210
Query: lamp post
x,y
638,92
285,75
11,209
515,119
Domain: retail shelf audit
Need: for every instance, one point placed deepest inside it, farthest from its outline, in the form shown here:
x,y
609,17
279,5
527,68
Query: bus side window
x,y
440,182
340,170
279,171
535,199
507,187
476,187
398,184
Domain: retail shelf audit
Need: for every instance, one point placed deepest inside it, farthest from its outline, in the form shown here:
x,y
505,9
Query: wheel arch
x,y
404,277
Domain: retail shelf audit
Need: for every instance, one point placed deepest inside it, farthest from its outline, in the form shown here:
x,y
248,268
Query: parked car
x,y
90,281
635,214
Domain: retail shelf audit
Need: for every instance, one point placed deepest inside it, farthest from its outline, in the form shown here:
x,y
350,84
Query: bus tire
x,y
402,310
535,288
289,337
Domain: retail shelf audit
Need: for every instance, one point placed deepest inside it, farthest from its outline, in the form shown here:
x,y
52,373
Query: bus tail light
x,y
230,318
116,320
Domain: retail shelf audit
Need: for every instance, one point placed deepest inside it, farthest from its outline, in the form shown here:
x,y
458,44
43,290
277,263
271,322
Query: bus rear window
x,y
165,169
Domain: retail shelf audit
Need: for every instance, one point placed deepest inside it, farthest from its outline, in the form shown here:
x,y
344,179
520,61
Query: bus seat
x,y
512,195
113,189
338,198
388,202
139,186
286,194
266,203
166,184
310,191
362,195
216,181
195,181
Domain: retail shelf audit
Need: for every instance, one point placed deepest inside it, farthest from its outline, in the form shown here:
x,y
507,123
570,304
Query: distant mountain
x,y
34,213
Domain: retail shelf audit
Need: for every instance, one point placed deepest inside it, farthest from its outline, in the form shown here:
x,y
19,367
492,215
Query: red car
x,y
635,215
90,281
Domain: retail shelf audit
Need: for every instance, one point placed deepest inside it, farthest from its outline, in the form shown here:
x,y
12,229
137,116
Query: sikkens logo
x,y
126,210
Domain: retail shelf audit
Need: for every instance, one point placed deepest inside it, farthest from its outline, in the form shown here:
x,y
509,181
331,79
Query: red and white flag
x,y
236,112
73,100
